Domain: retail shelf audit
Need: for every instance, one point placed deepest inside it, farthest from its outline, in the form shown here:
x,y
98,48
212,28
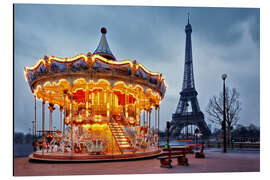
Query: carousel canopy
x,y
51,78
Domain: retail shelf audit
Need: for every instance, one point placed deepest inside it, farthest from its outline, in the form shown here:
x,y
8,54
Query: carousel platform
x,y
84,157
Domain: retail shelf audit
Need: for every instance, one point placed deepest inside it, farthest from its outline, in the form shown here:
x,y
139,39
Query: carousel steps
x,y
121,140
120,137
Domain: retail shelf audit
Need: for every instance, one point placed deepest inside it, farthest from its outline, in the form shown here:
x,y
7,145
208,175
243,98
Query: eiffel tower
x,y
188,96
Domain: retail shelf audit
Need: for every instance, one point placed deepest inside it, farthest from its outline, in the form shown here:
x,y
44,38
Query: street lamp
x,y
187,120
168,125
196,133
224,76
33,135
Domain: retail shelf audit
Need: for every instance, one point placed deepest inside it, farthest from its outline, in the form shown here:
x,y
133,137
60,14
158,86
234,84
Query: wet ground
x,y
215,161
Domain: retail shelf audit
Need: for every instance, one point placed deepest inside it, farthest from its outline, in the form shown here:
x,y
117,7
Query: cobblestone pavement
x,y
214,162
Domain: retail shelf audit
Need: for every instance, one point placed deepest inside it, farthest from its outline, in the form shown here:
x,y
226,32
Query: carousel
x,y
109,109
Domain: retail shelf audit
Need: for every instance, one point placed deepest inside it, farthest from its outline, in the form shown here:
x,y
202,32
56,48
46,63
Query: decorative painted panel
x,y
57,67
78,65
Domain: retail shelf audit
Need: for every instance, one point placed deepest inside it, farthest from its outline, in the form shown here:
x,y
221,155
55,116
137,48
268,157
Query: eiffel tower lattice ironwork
x,y
188,96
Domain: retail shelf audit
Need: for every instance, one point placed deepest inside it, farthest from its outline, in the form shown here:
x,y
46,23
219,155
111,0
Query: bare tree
x,y
233,107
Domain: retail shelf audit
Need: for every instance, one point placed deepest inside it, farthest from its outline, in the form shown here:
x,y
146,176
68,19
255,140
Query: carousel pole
x,y
35,135
155,121
158,125
155,134
144,117
149,122
50,117
86,101
43,125
65,112
112,98
71,125
51,108
125,103
149,131
63,125
61,112
143,123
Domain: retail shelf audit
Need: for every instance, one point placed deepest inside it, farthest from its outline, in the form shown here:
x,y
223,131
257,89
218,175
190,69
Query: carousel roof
x,y
92,68
103,48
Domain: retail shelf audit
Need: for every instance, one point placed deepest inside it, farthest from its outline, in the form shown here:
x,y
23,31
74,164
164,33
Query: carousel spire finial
x,y
103,47
103,30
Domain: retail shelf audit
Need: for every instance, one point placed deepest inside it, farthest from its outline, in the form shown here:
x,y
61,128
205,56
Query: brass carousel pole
x,y
155,132
158,125
61,111
63,125
149,122
65,112
144,124
112,98
71,125
87,101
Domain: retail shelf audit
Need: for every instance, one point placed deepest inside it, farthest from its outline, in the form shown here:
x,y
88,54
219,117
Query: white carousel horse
x,y
55,148
89,146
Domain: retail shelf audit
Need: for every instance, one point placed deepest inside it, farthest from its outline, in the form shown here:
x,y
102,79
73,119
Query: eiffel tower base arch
x,y
179,121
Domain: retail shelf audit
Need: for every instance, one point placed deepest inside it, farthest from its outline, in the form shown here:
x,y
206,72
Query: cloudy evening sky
x,y
224,40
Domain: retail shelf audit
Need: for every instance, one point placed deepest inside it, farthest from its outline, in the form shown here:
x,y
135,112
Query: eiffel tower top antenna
x,y
188,17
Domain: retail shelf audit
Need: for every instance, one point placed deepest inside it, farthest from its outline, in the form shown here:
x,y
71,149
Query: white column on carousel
x,y
144,117
35,135
43,126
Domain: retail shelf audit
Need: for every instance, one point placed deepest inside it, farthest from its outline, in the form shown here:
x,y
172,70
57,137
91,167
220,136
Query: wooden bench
x,y
190,148
200,154
170,153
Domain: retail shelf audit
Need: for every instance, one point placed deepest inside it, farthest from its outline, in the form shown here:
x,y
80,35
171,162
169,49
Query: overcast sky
x,y
224,40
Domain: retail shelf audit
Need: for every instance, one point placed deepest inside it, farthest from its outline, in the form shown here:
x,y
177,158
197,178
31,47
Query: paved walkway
x,y
214,162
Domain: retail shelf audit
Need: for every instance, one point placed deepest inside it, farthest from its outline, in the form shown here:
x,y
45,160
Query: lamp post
x,y
224,76
168,125
33,132
196,132
187,121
